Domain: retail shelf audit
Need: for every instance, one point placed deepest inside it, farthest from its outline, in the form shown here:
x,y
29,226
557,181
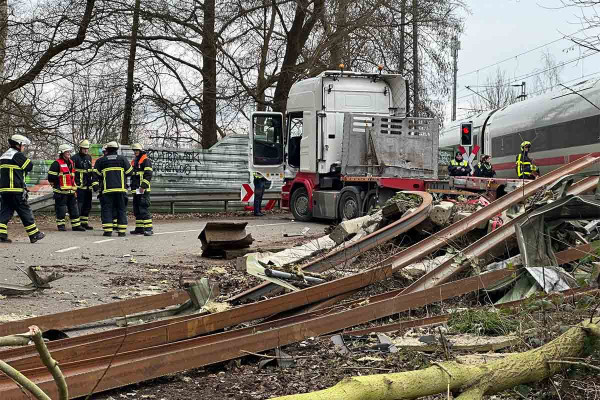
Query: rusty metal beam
x,y
445,271
346,252
192,326
449,234
578,252
440,319
101,312
152,362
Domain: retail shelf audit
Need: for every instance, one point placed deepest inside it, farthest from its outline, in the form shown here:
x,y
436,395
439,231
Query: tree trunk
x,y
415,49
126,129
4,114
296,39
402,55
473,382
209,76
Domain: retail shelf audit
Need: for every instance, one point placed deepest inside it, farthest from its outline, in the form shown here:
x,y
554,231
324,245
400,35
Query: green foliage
x,y
481,322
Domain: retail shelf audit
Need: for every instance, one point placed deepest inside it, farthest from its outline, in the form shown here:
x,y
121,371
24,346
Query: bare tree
x,y
495,93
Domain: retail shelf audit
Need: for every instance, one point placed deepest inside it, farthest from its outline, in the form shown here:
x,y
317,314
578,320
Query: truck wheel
x,y
370,201
349,205
299,205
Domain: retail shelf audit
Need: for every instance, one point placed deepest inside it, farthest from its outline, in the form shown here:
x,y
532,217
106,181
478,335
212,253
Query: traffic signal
x,y
466,137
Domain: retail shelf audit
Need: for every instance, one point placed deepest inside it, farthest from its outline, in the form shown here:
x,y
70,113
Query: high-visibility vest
x,y
455,163
66,176
524,167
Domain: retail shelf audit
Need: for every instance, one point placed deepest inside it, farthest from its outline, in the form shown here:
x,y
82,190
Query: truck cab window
x,y
268,140
294,135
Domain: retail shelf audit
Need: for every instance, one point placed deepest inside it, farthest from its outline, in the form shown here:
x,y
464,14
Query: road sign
x,y
247,193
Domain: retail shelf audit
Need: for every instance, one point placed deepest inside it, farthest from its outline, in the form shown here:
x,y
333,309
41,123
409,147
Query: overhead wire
x,y
523,53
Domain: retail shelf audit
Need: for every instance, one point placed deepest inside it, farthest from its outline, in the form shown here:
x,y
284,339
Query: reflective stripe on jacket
x,y
62,176
142,172
13,167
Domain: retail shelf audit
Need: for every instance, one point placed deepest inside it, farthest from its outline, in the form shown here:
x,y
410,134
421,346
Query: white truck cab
x,y
344,132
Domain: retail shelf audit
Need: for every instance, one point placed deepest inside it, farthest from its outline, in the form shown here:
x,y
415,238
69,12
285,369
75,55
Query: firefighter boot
x,y
148,232
137,231
36,237
5,240
78,228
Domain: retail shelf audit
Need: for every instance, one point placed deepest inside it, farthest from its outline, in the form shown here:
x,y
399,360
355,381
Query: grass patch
x,y
481,322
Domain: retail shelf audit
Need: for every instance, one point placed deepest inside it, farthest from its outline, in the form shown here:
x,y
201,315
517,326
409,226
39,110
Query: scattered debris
x,y
216,237
37,283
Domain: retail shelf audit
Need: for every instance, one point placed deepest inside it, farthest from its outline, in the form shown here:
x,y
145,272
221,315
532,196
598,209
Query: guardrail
x,y
170,198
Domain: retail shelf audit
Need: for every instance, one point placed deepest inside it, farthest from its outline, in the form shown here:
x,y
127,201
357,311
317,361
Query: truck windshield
x,y
268,139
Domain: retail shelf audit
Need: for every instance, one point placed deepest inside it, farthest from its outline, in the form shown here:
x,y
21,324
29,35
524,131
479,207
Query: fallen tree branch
x,y
23,381
471,381
50,363
579,363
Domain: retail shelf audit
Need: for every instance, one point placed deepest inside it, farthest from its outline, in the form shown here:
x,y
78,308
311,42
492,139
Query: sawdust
x,y
216,271
215,307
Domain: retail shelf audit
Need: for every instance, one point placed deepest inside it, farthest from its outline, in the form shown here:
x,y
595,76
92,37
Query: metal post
x,y
226,202
455,48
173,207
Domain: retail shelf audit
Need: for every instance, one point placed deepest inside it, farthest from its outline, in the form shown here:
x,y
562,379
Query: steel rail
x,y
459,228
136,366
346,252
100,312
190,326
445,271
440,319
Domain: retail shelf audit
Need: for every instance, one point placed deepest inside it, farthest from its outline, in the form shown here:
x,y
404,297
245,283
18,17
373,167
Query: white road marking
x,y
166,233
67,249
257,226
104,241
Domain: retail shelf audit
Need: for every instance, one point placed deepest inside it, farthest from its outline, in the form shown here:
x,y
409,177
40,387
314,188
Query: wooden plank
x,y
101,312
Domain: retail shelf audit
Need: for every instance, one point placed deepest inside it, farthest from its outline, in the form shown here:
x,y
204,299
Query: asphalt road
x,y
171,241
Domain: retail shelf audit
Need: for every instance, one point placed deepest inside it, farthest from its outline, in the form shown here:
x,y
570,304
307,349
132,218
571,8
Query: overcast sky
x,y
496,30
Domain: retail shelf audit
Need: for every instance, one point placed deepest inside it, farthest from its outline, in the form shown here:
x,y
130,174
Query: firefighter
x,y
458,166
14,165
86,182
140,185
259,190
526,169
111,170
62,178
484,169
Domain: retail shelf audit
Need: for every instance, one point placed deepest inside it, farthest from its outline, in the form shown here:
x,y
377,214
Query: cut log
x,y
441,213
471,381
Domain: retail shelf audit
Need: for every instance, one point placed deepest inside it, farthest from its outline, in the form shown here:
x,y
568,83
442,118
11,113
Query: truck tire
x,y
370,201
299,205
349,205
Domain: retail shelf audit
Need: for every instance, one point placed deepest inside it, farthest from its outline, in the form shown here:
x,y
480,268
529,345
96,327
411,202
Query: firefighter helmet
x,y
137,146
84,144
64,147
19,140
525,144
112,145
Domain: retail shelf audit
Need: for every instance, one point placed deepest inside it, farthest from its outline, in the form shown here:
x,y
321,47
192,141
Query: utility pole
x,y
455,48
415,49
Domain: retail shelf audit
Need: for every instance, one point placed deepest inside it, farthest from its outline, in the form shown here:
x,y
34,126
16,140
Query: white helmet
x,y
64,147
137,146
19,140
112,145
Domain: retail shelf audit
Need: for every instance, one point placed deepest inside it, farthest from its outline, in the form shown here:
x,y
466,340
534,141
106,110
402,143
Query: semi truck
x,y
344,145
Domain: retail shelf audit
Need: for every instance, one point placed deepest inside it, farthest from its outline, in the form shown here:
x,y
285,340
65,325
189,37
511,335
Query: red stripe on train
x,y
544,162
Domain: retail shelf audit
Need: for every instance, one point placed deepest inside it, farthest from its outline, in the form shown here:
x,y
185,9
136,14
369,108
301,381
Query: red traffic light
x,y
466,129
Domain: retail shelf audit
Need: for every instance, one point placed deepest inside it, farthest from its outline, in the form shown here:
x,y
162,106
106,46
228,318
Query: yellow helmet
x,y
137,146
84,144
525,143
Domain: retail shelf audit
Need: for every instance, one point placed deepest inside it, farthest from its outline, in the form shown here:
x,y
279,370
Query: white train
x,y
561,125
